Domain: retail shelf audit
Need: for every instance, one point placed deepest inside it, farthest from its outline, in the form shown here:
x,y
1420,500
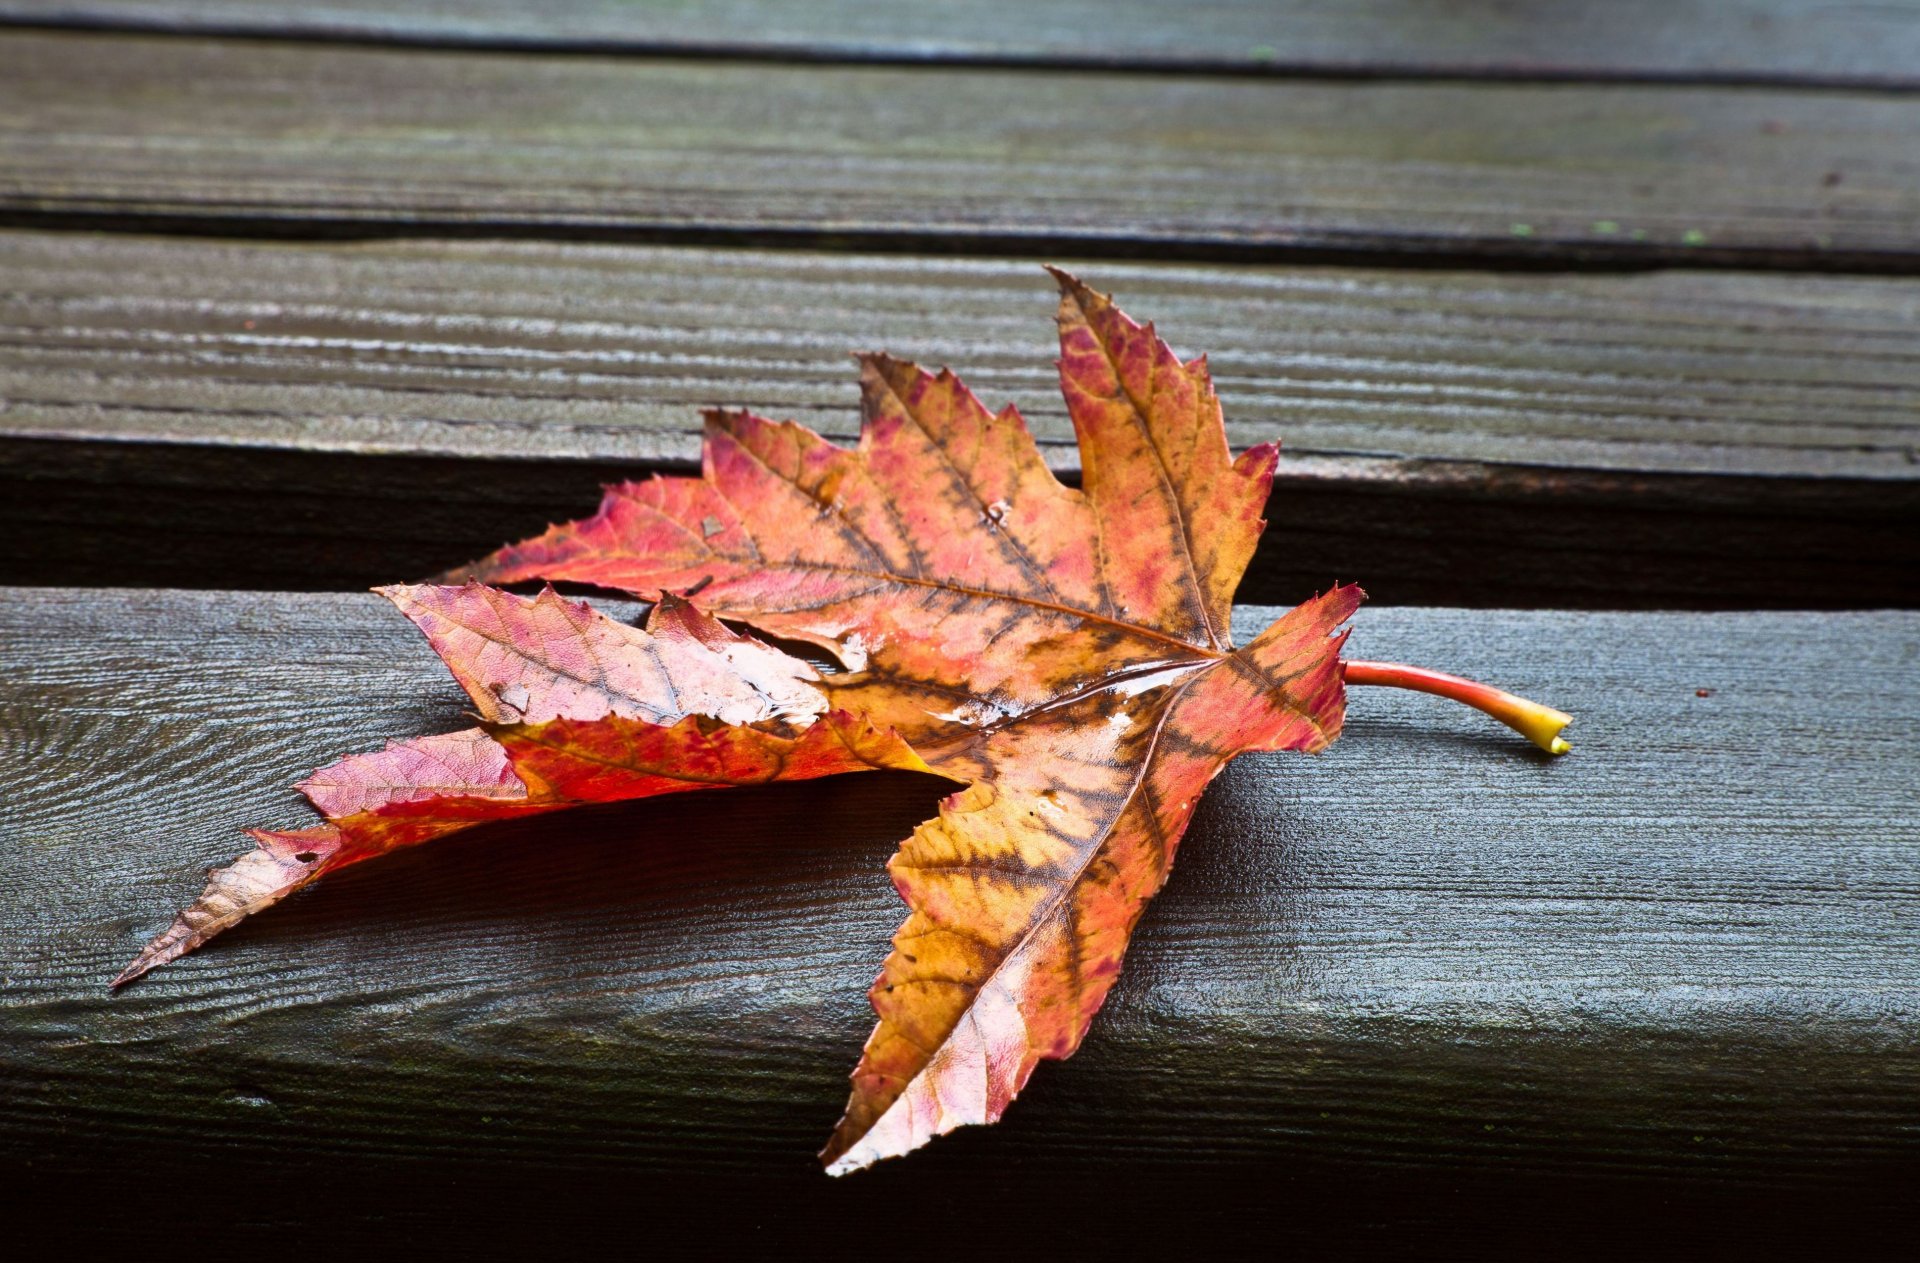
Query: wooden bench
x,y
1596,322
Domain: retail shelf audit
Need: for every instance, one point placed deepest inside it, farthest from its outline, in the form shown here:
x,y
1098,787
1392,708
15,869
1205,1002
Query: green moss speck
x,y
1693,237
1521,230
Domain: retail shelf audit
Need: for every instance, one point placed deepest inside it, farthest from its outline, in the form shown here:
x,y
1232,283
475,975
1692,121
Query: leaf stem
x,y
1538,724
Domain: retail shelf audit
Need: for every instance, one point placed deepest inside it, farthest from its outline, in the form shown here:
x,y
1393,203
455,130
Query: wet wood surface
x,y
247,137
1689,952
1749,41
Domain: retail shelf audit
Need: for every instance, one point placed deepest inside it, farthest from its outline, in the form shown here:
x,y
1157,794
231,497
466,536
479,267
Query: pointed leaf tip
x,y
281,863
1063,278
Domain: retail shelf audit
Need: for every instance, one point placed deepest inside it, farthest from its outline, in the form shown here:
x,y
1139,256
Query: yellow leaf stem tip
x,y
1538,724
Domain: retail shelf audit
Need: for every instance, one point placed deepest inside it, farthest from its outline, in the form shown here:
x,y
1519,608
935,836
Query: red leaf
x,y
584,710
1064,653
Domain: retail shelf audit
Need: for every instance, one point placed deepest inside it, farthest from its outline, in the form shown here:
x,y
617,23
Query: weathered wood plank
x,y
1688,953
271,415
538,350
235,136
1737,40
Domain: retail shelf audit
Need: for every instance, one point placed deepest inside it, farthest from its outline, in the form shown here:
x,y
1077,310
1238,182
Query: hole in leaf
x,y
307,857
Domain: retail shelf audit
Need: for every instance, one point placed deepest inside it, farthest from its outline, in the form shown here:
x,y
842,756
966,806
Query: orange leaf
x,y
1026,888
1064,651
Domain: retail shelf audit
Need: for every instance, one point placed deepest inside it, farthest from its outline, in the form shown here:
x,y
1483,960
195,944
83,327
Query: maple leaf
x,y
576,708
1063,653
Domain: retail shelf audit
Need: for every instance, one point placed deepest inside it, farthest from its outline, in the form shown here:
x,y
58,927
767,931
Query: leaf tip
x,y
1260,460
139,966
170,944
399,594
842,1165
1075,290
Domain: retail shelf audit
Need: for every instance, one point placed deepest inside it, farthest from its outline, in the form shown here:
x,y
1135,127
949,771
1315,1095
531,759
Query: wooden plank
x,y
541,350
249,414
284,138
1688,954
1740,41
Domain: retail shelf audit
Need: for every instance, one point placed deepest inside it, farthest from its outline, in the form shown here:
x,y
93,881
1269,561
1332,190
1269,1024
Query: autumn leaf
x,y
576,708
1062,653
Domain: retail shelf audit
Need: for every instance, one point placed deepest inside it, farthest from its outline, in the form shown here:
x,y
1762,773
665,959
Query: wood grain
x,y
1763,41
332,416
1686,956
544,350
233,136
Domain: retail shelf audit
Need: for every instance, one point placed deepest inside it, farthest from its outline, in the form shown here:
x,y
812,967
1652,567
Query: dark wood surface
x,y
1689,952
224,414
1749,41
237,136
1560,304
